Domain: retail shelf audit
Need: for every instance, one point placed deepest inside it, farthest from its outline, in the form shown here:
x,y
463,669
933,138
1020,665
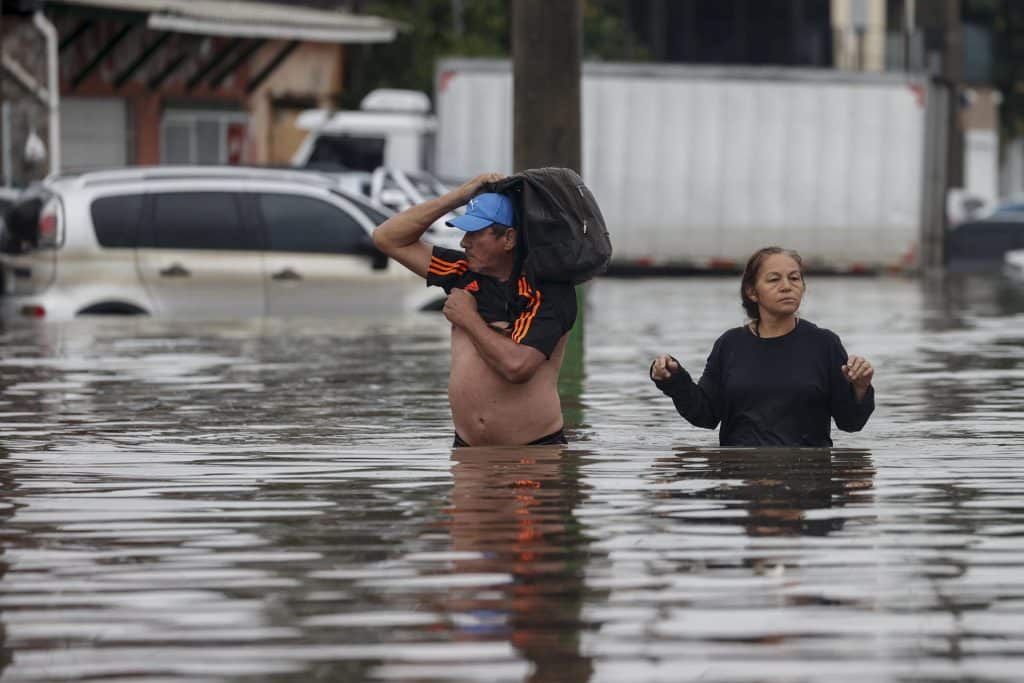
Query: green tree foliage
x,y
464,28
606,36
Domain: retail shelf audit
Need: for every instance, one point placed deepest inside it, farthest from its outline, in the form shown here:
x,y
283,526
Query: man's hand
x,y
473,186
460,308
664,367
859,373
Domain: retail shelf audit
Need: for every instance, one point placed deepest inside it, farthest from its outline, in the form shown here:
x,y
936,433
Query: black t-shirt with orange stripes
x,y
537,315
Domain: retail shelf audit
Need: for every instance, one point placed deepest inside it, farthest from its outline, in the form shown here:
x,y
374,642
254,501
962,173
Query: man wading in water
x,y
508,335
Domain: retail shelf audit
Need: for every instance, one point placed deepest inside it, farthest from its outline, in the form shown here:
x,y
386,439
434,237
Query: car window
x,y
375,215
196,220
116,219
306,224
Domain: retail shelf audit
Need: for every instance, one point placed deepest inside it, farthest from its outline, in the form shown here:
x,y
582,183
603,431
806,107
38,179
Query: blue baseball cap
x,y
484,210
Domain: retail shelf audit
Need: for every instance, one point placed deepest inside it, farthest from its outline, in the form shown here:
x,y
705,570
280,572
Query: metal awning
x,y
259,20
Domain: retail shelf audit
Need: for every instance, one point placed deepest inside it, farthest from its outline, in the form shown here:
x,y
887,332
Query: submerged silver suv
x,y
199,242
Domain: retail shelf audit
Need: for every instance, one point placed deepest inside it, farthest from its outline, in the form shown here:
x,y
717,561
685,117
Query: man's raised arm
x,y
399,236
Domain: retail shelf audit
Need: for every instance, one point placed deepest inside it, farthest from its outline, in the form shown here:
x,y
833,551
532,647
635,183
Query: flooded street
x,y
277,501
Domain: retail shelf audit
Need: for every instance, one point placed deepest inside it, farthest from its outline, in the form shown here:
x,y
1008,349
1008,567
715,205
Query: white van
x,y
199,242
392,128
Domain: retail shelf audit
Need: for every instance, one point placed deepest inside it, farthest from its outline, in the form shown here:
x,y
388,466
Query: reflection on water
x,y
955,300
276,501
772,489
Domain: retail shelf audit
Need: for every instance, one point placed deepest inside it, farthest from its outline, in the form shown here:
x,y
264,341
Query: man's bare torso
x,y
489,410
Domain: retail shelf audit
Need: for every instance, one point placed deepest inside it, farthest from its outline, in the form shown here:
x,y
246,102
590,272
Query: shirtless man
x,y
508,335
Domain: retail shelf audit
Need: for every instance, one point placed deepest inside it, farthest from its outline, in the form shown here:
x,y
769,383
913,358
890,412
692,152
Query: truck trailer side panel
x,y
699,167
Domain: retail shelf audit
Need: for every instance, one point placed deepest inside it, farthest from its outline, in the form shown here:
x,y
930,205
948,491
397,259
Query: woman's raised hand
x,y
859,373
664,367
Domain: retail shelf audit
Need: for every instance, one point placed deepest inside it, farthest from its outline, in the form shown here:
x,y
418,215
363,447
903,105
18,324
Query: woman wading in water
x,y
779,380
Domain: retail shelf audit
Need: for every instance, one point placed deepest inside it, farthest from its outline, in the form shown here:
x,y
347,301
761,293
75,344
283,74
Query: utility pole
x,y
547,49
909,31
953,74
943,30
547,54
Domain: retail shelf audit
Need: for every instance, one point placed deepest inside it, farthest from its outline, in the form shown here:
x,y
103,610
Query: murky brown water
x,y
276,501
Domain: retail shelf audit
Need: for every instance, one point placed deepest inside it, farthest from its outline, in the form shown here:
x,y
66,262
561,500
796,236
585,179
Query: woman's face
x,y
779,287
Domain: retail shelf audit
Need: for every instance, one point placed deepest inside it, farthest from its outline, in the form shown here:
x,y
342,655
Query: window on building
x,y
203,137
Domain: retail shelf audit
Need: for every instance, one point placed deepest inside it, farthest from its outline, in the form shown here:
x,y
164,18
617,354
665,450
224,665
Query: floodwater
x,y
277,501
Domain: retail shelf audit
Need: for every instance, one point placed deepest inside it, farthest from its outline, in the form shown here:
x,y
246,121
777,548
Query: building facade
x,y
173,81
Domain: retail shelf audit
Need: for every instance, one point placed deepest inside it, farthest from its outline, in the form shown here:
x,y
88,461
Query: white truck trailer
x,y
697,167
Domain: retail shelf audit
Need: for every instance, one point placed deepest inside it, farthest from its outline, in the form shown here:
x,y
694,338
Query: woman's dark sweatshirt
x,y
777,391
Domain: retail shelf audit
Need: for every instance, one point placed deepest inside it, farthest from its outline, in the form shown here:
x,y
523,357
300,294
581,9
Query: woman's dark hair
x,y
752,270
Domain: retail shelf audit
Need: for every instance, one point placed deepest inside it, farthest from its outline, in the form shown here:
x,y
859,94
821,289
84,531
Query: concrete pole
x,y
909,28
5,143
953,74
547,48
547,52
944,47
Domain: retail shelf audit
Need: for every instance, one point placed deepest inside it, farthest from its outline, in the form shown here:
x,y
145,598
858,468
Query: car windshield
x,y
429,187
347,153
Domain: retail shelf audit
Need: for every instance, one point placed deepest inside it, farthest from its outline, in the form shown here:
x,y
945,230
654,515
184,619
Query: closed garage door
x,y
93,132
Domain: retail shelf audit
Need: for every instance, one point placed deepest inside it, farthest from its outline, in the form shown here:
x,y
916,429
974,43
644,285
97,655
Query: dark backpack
x,y
562,233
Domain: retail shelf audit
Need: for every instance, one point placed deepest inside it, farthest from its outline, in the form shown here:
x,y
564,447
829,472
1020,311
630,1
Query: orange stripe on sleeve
x,y
441,262
524,290
441,267
446,271
522,325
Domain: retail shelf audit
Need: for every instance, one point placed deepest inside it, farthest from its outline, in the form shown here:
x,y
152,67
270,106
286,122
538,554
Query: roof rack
x,y
140,173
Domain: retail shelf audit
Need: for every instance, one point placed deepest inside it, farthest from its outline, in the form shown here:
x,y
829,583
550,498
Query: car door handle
x,y
175,270
286,274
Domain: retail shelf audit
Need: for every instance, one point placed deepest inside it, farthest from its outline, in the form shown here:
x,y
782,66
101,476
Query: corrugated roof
x,y
253,20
